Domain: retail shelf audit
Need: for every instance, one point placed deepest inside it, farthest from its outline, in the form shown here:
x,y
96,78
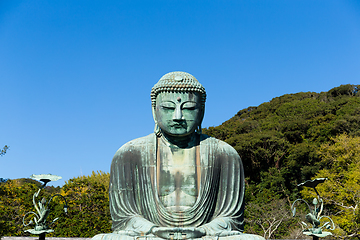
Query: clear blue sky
x,y
76,75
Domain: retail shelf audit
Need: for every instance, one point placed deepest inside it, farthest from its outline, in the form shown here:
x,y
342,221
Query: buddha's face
x,y
178,114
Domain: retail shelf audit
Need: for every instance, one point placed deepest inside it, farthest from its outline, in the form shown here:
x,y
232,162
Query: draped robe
x,y
134,201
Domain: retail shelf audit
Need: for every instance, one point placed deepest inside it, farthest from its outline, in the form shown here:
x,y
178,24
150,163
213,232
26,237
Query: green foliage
x,y
15,201
278,140
3,180
268,215
269,218
341,192
88,206
88,201
279,144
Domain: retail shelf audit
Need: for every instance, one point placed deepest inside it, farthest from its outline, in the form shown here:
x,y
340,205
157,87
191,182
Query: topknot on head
x,y
178,82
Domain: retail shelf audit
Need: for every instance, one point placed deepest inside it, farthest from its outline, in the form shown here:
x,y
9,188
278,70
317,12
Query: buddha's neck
x,y
181,141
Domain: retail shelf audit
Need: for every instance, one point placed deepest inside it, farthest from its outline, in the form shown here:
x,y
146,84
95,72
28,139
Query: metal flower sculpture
x,y
42,208
314,216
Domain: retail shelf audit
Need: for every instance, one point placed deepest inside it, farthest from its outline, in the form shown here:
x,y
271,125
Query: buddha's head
x,y
178,104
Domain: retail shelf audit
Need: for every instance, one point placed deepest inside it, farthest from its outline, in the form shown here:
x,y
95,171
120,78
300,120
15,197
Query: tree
x,y
15,200
87,198
3,151
341,193
88,212
278,140
269,216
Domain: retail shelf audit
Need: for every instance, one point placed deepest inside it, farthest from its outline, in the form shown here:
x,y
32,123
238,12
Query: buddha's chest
x,y
177,186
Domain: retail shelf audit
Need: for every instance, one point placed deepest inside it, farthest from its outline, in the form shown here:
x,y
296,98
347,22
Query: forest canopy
x,y
289,140
278,141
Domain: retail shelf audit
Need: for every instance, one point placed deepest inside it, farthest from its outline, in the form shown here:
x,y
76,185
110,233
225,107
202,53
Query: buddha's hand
x,y
178,233
228,233
127,232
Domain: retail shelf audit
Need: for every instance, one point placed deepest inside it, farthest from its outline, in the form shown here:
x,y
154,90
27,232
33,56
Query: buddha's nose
x,y
177,114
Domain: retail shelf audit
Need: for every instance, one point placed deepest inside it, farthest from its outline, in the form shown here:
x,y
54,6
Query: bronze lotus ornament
x,y
42,207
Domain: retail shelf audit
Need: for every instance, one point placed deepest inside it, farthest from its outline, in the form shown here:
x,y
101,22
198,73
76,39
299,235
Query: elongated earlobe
x,y
157,130
198,130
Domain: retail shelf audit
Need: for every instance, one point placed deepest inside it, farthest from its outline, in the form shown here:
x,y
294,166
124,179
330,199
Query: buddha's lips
x,y
178,125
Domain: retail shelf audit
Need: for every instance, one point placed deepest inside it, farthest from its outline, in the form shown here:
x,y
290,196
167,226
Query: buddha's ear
x,y
153,109
156,128
202,113
201,119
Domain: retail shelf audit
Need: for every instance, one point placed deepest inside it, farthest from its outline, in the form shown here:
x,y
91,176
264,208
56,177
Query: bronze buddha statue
x,y
177,183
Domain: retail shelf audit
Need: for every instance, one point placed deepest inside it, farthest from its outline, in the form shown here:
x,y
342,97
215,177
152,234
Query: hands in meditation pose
x,y
177,183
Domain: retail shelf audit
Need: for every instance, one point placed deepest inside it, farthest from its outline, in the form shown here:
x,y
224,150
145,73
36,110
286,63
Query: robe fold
x,y
134,201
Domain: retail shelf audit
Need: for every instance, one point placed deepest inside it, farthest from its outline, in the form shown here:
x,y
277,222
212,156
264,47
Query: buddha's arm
x,y
136,226
228,215
125,218
220,226
125,196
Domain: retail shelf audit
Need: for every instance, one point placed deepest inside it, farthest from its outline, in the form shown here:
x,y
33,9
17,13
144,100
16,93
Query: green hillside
x,y
278,140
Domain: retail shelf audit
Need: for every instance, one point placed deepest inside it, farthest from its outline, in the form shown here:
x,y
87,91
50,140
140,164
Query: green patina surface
x,y
177,183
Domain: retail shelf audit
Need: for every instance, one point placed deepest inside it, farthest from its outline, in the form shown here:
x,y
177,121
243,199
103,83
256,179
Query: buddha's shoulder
x,y
138,143
217,144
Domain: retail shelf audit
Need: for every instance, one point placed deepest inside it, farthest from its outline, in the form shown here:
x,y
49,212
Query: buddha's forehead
x,y
178,96
178,82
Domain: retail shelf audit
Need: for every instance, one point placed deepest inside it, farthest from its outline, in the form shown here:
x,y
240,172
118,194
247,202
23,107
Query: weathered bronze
x,y
314,216
42,208
177,183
